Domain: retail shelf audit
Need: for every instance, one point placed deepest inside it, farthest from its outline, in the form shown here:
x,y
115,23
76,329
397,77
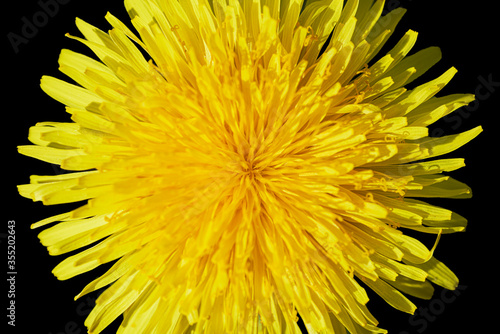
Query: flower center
x,y
248,168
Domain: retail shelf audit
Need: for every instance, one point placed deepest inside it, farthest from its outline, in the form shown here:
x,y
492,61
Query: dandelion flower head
x,y
245,162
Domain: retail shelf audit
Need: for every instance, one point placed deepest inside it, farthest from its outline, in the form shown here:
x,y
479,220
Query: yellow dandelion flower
x,y
245,162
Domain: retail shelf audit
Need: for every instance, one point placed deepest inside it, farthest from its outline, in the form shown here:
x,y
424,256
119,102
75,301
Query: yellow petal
x,y
392,296
68,94
49,154
439,273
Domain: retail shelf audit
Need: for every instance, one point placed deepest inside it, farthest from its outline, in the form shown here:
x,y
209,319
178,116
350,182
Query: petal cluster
x,y
243,162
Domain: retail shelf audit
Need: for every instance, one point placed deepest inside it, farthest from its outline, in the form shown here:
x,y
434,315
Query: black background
x,y
468,36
